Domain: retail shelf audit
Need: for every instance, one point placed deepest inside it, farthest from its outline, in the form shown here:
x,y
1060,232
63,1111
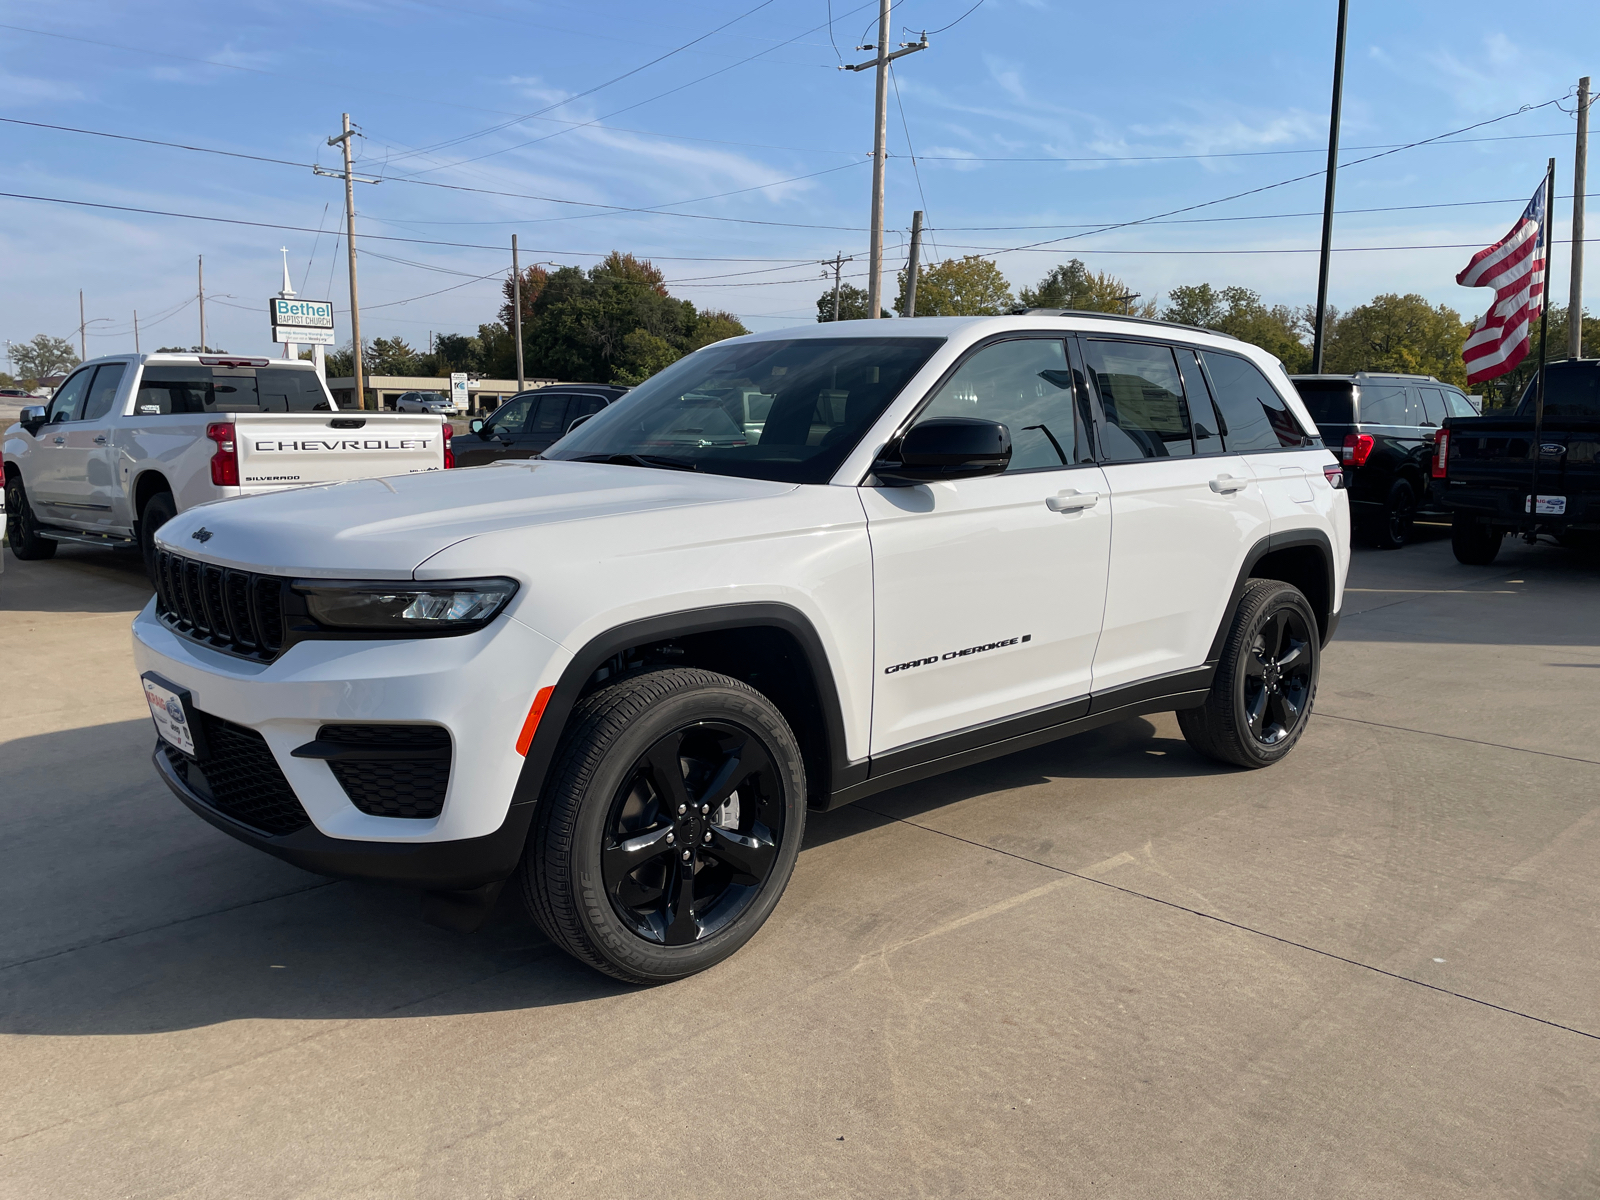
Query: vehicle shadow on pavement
x,y
78,579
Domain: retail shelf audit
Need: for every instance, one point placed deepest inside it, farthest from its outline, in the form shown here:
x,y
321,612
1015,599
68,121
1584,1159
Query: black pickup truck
x,y
1483,467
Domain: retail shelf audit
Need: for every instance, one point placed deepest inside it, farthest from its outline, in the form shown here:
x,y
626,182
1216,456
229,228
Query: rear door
x,y
1184,512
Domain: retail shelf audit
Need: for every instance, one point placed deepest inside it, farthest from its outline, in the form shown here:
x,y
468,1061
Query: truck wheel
x,y
1475,542
23,533
1394,525
670,826
157,511
1261,696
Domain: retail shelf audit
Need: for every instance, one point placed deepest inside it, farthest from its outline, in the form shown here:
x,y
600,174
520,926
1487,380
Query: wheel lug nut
x,y
705,808
682,808
670,839
685,856
707,837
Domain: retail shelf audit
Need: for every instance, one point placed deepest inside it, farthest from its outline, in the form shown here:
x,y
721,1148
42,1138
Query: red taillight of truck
x,y
225,462
1441,454
449,454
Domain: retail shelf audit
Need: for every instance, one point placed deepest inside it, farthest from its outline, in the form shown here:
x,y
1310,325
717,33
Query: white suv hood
x,y
386,528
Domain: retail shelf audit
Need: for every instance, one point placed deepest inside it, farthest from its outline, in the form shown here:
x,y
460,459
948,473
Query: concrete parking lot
x,y
1106,967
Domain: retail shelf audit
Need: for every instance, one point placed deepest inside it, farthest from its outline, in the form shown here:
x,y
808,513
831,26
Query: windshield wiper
x,y
638,460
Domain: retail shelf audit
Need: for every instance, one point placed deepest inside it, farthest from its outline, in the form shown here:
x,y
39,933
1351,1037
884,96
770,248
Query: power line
x,y
953,24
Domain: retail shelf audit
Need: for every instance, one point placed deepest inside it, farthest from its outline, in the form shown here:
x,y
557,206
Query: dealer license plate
x,y
1550,506
171,715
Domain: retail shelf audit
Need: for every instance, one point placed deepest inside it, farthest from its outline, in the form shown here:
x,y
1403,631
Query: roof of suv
x,y
1373,375
948,326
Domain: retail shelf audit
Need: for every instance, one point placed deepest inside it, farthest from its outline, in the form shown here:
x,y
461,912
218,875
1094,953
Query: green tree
x,y
959,287
390,356
714,325
533,280
1399,333
1242,313
43,355
1073,285
852,304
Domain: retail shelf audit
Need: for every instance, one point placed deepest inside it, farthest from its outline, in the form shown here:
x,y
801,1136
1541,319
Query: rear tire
x,y
670,825
1265,683
23,530
1476,543
1393,528
157,511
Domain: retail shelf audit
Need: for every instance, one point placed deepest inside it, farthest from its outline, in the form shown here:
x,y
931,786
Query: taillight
x,y
1334,474
449,454
1441,454
225,462
1357,446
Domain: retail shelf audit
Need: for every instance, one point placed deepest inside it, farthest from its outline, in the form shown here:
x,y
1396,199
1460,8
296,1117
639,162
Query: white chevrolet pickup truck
x,y
129,441
620,673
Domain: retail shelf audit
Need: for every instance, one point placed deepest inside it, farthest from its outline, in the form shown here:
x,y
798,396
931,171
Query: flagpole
x,y
1544,354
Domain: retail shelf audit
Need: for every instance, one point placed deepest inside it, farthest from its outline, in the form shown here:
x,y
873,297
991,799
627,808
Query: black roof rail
x,y
1020,311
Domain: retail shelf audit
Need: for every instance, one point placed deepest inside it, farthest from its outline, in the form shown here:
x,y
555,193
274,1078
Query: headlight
x,y
452,606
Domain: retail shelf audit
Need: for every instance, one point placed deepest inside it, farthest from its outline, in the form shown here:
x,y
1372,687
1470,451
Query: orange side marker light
x,y
531,725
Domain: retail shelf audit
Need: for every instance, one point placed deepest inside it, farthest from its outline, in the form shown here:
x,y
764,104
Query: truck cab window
x,y
65,404
106,382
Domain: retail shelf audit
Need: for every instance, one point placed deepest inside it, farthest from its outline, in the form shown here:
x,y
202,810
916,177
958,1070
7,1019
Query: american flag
x,y
1514,267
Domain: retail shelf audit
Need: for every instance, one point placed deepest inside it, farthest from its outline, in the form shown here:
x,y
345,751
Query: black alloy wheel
x,y
1266,680
1277,676
1396,523
668,826
693,833
23,532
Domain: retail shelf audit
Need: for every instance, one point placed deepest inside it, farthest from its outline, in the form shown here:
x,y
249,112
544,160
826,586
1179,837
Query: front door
x,y
1185,513
988,593
55,480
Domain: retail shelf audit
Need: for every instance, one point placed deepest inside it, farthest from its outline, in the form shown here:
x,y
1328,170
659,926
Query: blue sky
x,y
755,144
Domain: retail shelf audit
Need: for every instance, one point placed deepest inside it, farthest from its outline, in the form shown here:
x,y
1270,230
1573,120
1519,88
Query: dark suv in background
x,y
531,422
1383,427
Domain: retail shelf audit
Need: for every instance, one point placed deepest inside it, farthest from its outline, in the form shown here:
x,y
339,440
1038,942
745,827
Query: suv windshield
x,y
788,411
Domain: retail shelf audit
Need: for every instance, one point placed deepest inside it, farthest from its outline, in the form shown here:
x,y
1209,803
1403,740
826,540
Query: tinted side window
x,y
1026,386
66,403
106,382
1141,394
511,416
1433,405
547,416
1457,404
1254,416
1207,429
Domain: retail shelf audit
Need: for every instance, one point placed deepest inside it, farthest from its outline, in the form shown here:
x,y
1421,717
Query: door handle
x,y
100,441
61,441
1226,485
1071,501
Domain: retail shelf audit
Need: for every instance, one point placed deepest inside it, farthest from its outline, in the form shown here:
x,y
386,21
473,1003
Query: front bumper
x,y
434,866
477,686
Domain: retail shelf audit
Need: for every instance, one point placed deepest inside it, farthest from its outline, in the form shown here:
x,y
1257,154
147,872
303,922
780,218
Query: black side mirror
x,y
32,418
946,448
477,425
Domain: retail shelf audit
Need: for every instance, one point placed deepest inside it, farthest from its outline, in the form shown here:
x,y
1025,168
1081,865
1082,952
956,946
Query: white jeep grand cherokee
x,y
791,570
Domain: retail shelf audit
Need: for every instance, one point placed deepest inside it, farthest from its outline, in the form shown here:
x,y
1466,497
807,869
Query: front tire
x,y
23,532
1261,696
1476,543
670,826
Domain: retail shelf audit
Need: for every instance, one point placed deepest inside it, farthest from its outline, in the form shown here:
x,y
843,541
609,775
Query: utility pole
x,y
837,262
136,331
83,345
912,263
1126,300
516,312
200,269
880,147
343,142
1319,340
1580,175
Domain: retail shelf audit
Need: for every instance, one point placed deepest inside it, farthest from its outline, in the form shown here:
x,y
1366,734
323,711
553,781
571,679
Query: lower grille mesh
x,y
382,783
241,778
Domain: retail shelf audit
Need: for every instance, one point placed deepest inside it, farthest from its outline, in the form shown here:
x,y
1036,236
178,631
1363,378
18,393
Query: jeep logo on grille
x,y
201,535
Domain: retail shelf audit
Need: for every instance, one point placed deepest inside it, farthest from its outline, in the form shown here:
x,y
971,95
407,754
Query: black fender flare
x,y
1272,542
553,722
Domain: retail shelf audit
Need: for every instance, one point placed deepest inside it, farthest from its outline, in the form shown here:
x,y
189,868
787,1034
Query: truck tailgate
x,y
292,449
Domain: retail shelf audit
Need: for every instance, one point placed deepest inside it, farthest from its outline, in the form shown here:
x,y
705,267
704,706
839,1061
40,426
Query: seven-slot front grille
x,y
241,778
237,611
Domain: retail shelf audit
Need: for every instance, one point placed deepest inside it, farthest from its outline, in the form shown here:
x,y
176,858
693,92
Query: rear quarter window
x,y
1254,416
1330,402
